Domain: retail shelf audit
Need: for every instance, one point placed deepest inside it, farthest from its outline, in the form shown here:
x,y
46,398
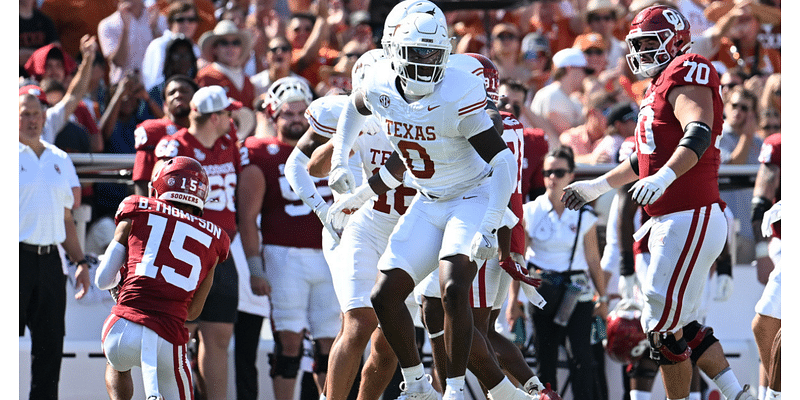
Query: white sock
x,y
322,397
695,396
414,377
504,390
640,395
772,395
456,383
762,392
727,383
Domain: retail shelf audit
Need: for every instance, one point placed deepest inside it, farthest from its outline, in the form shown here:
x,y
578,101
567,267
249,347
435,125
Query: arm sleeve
x,y
300,180
348,128
501,185
107,275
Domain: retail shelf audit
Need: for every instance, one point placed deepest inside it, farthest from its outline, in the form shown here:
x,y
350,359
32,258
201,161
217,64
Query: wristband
x,y
83,261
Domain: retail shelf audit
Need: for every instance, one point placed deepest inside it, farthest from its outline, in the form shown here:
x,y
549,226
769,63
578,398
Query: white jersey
x,y
372,149
441,161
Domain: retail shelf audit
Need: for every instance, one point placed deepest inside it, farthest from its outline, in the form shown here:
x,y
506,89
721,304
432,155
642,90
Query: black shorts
x,y
223,298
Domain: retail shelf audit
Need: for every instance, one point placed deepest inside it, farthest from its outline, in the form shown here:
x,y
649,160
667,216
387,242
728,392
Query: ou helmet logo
x,y
675,19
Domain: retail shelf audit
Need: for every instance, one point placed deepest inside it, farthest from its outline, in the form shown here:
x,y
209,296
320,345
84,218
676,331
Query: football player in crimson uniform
x,y
767,322
163,257
288,262
178,92
435,119
676,164
208,141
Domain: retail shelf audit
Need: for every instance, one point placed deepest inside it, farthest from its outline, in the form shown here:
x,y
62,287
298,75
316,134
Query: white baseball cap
x,y
211,99
569,57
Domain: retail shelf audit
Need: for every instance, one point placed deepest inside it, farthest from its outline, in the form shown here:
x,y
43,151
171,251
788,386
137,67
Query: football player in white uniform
x,y
354,261
464,173
490,286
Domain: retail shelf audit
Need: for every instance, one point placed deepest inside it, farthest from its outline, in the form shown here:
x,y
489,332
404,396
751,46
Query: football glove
x,y
484,244
577,194
626,285
518,273
341,179
347,204
648,190
322,213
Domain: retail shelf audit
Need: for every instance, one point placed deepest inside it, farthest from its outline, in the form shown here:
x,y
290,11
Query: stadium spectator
x,y
505,51
181,59
74,137
538,61
125,35
35,30
182,20
584,138
729,79
603,17
308,35
205,15
74,19
338,76
227,49
770,106
555,102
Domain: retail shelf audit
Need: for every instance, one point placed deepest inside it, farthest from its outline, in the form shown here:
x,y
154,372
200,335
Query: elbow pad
x,y
634,160
502,182
696,137
347,130
107,275
300,180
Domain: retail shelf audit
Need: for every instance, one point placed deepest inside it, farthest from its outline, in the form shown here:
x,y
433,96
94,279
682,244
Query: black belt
x,y
40,250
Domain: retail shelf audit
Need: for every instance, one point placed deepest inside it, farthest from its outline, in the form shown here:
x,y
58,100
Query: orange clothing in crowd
x,y
327,56
209,75
205,11
75,18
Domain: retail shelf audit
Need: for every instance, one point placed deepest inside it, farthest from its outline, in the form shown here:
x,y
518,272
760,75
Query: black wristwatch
x,y
83,261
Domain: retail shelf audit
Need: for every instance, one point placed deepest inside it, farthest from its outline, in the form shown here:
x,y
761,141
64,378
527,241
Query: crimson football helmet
x,y
491,78
658,24
181,179
624,333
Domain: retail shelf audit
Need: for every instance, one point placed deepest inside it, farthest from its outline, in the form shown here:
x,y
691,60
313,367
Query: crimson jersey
x,y
658,133
536,148
771,155
147,135
169,255
222,163
285,219
513,136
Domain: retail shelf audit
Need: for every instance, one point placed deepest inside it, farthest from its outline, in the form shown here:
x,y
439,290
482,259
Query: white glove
x,y
771,216
341,179
322,214
577,194
533,386
484,245
724,287
648,190
626,286
347,204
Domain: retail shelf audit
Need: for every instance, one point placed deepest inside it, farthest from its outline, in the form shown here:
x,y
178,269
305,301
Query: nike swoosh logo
x,y
431,108
469,197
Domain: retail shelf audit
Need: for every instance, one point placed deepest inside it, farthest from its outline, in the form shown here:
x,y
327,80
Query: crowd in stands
x,y
565,59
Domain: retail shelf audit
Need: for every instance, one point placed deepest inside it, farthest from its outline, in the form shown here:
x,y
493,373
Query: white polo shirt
x,y
45,190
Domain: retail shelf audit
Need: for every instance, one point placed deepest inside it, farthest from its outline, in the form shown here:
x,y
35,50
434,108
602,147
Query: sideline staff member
x,y
48,188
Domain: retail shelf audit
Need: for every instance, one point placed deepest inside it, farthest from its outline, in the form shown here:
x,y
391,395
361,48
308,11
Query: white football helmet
x,y
400,11
363,63
286,90
420,48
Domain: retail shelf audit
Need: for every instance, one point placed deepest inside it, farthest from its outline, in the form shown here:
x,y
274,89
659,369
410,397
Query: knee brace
x,y
320,364
666,350
283,365
699,338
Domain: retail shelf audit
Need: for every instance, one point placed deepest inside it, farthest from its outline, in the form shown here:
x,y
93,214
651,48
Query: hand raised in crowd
x,y
124,8
152,17
88,47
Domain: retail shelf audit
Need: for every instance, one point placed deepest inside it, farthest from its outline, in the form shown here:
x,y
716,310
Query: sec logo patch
x,y
384,100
